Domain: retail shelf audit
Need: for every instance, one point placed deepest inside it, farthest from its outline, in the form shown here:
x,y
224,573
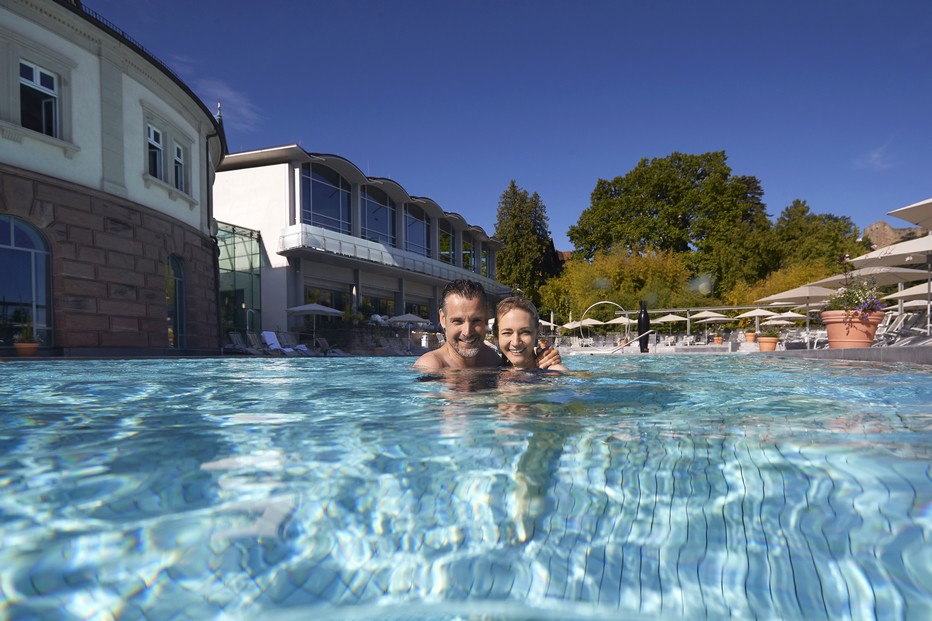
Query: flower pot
x,y
26,350
749,337
768,343
848,329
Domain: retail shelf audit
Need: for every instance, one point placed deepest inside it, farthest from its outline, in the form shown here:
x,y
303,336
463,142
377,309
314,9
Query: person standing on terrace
x,y
464,318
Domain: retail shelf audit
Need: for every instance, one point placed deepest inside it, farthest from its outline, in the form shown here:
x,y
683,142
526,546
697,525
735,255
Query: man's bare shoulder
x,y
433,359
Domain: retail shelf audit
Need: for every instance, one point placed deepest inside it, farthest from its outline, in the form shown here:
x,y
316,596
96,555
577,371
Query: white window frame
x,y
155,139
176,139
35,84
15,49
179,170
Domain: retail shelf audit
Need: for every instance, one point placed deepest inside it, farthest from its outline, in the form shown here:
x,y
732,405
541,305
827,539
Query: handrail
x,y
634,340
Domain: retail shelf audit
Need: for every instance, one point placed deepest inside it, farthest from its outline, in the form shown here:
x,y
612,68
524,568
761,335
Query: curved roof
x,y
352,173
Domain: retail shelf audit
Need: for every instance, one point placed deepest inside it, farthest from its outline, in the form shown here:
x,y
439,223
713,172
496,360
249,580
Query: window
x,y
38,99
486,263
168,153
469,257
174,301
24,288
325,199
446,242
378,213
179,168
417,230
155,153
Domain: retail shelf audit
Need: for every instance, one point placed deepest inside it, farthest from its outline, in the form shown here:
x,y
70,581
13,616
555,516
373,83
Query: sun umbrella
x,y
757,313
408,318
777,322
707,314
919,213
571,325
668,318
880,275
805,295
917,292
913,252
790,315
588,321
314,310
621,320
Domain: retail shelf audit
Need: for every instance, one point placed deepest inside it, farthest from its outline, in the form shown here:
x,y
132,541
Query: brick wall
x,y
108,259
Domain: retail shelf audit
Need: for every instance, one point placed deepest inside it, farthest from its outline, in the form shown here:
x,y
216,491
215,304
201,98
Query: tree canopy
x,y
527,257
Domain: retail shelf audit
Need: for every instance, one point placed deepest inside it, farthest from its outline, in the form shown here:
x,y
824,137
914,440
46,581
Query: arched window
x,y
24,287
174,301
446,241
417,230
378,213
469,255
325,199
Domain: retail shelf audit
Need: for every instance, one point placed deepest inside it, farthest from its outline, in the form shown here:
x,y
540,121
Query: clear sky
x,y
828,101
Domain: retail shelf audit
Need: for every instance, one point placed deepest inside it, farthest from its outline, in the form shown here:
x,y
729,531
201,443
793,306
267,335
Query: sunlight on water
x,y
632,487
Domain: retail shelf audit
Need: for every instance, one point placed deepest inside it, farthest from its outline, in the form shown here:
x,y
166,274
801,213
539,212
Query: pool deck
x,y
916,354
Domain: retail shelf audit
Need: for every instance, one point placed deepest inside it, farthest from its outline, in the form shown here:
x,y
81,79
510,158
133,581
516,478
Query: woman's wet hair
x,y
510,304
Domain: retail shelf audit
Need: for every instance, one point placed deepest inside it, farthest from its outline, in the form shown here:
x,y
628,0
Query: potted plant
x,y
768,340
852,314
26,342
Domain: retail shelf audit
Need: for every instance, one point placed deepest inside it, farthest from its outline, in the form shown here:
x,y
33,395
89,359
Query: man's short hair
x,y
467,289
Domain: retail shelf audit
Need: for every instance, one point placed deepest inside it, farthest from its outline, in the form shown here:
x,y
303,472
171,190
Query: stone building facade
x,y
107,233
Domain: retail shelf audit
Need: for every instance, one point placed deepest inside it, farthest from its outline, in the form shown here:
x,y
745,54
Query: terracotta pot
x,y
26,350
749,337
768,343
847,329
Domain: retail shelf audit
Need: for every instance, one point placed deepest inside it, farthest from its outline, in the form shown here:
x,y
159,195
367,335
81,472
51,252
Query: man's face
x,y
465,322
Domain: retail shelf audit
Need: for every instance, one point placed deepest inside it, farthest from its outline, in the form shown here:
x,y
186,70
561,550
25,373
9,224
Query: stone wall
x,y
108,259
882,234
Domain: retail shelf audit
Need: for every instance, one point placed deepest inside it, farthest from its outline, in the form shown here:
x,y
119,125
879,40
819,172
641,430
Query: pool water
x,y
633,487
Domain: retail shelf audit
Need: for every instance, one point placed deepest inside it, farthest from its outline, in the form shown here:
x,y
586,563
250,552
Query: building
x,y
106,164
334,236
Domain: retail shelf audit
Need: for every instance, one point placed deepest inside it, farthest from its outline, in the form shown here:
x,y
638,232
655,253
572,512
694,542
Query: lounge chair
x,y
327,349
288,339
271,341
256,342
238,346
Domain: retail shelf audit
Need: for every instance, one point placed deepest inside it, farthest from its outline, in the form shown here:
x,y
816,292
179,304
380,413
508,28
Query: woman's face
x,y
516,338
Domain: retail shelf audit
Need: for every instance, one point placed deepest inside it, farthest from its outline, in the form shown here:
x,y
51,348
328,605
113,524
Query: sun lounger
x,y
238,346
287,339
327,349
271,341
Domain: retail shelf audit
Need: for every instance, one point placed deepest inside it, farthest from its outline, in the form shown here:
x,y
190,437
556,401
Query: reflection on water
x,y
666,487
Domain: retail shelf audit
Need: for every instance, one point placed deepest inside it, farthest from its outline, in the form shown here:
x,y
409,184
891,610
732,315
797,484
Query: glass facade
x,y
469,255
240,293
25,286
325,199
417,230
445,232
378,215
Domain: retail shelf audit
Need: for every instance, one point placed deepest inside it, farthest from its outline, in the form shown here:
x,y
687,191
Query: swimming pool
x,y
634,487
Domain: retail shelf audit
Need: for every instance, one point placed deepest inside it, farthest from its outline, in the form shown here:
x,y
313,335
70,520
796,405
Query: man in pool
x,y
464,318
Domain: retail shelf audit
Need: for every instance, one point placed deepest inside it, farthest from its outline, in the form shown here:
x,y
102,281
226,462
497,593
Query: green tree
x,y
527,257
686,204
809,238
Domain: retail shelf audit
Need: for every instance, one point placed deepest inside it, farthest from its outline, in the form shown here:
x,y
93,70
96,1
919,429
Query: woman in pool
x,y
516,323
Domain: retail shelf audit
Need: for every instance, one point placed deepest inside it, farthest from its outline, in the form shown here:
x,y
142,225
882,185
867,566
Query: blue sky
x,y
826,101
